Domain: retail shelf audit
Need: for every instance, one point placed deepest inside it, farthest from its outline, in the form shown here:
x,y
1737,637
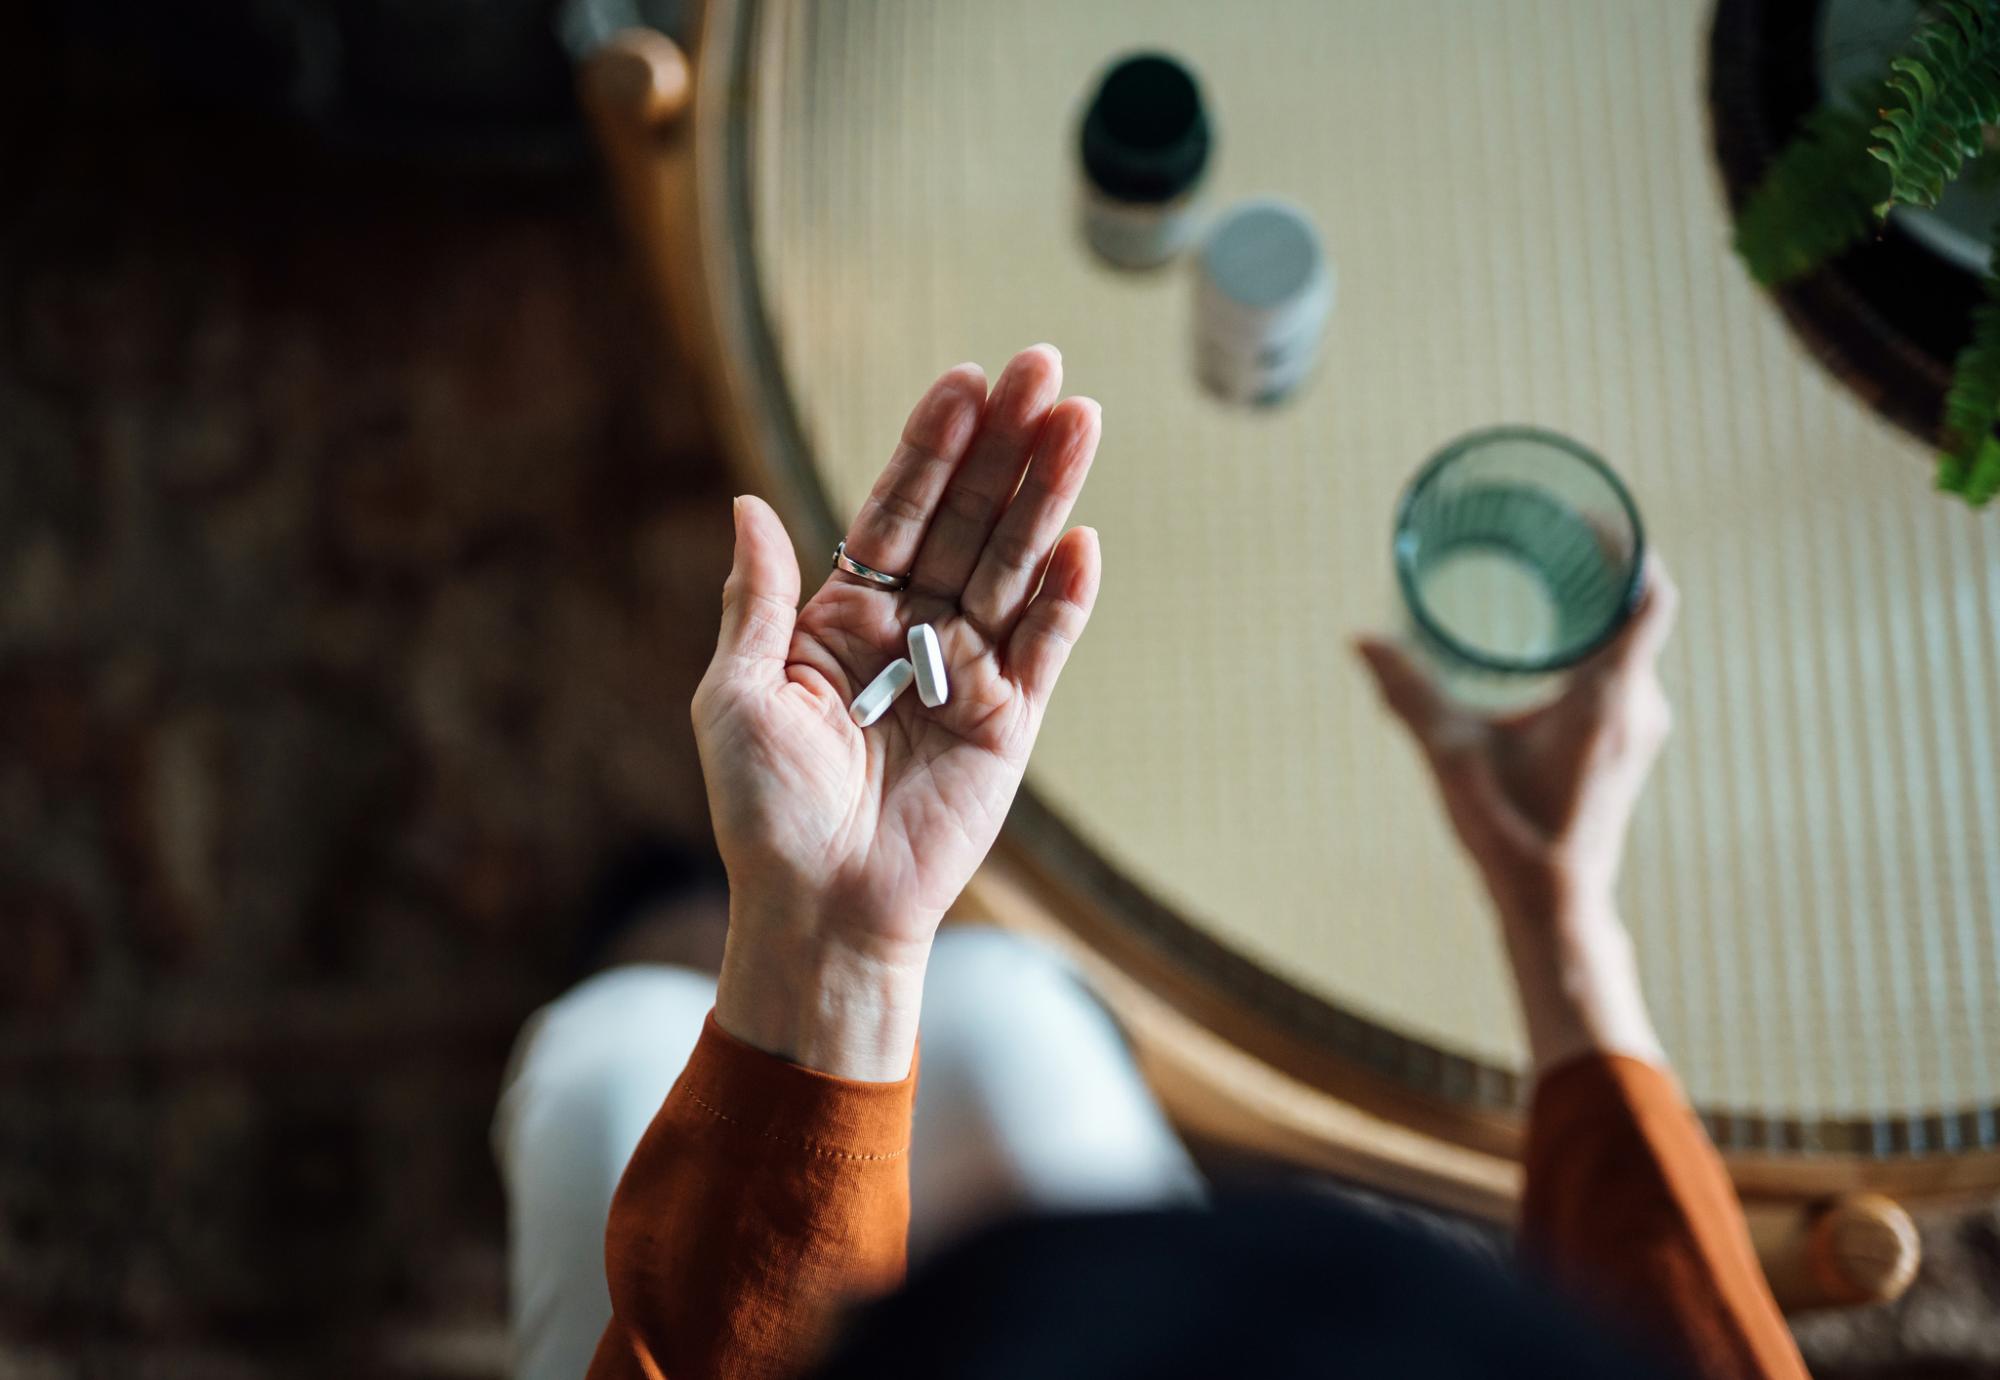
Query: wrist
x,y
1554,897
1577,975
796,987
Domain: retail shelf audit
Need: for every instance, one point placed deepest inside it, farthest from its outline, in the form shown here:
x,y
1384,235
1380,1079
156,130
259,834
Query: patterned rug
x,y
357,560
355,573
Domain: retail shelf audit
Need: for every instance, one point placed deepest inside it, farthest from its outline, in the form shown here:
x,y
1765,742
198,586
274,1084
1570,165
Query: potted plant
x,y
1906,133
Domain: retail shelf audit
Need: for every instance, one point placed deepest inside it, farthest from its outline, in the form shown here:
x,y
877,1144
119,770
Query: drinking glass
x,y
1519,553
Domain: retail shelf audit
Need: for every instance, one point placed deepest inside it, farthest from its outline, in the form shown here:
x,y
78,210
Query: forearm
x,y
772,1185
763,1197
1626,1201
1628,1206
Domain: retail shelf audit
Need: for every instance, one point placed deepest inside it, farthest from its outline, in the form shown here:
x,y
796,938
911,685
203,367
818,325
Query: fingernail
x,y
1044,345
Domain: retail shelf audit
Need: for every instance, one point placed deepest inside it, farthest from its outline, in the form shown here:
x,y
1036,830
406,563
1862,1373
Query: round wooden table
x,y
1520,205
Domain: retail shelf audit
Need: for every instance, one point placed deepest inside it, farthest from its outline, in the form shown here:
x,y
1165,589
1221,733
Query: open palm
x,y
874,832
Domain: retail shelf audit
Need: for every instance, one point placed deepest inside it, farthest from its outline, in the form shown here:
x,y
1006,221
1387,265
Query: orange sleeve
x,y
762,1195
1628,1205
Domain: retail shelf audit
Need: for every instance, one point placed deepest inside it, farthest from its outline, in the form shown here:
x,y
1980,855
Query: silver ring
x,y
881,579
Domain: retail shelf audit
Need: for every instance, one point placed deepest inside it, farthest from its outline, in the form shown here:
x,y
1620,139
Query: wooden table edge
x,y
1223,1069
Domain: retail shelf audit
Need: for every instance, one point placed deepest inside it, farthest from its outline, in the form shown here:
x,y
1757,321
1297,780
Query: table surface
x,y
1526,226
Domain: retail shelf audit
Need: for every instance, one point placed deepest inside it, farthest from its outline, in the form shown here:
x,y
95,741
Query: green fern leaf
x,y
1817,198
1970,465
1984,481
1943,92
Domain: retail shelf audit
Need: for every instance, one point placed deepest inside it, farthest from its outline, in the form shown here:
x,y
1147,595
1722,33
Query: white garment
x,y
1028,1100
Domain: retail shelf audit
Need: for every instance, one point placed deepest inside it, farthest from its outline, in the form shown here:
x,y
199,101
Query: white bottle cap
x,y
1263,291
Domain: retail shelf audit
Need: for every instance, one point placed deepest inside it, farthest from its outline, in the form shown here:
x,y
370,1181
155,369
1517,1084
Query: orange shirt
x,y
1628,1207
764,1195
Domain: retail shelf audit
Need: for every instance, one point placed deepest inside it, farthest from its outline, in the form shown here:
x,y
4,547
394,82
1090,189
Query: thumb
x,y
1405,688
1469,784
1480,808
760,599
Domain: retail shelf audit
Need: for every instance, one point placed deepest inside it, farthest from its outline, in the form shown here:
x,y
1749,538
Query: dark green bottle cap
x,y
1146,136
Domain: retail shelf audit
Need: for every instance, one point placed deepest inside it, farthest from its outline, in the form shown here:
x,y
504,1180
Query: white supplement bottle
x,y
1263,290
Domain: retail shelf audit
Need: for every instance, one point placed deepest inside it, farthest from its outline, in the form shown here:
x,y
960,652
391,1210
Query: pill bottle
x,y
1144,146
1262,292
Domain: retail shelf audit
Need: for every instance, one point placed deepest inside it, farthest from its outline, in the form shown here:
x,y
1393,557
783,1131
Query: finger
x,y
760,599
1410,694
1026,534
1055,618
1640,641
890,527
981,486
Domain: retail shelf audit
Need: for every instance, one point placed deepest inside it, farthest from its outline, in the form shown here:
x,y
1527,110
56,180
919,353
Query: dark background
x,y
357,561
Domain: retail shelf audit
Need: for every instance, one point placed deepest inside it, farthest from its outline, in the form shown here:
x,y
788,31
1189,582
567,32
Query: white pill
x,y
872,703
928,656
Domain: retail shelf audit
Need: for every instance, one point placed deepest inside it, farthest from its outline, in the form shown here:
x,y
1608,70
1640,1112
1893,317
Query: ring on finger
x,y
880,579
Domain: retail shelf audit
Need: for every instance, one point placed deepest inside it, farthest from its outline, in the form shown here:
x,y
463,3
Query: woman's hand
x,y
844,846
1542,801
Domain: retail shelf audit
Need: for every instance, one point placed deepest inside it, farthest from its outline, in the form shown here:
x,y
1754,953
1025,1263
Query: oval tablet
x,y
873,702
928,657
